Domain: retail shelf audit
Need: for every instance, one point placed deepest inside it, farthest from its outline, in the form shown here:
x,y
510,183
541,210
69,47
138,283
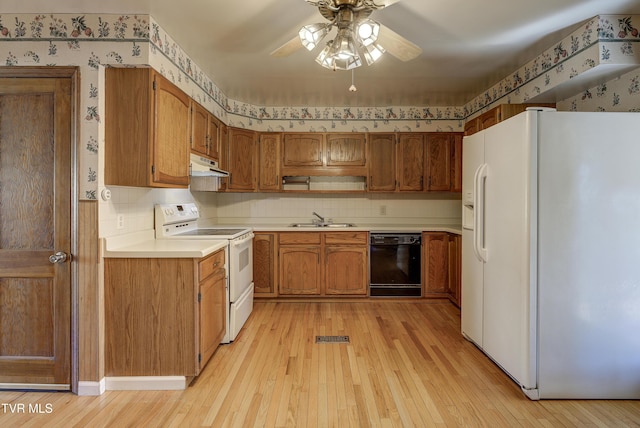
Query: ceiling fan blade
x,y
379,4
288,48
397,45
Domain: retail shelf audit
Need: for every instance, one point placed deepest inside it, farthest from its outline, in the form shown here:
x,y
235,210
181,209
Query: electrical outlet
x,y
120,221
383,210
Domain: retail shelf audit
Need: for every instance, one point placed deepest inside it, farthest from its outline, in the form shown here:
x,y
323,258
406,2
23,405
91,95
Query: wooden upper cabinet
x,y
205,132
199,129
382,162
147,130
346,150
215,137
438,162
456,163
242,160
411,158
302,150
497,115
269,161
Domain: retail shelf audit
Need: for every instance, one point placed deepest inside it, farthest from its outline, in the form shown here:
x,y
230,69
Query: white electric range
x,y
180,221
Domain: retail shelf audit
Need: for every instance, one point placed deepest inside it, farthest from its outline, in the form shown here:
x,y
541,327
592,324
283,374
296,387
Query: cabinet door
x,y
300,270
242,160
456,163
489,118
411,162
346,270
346,150
302,150
265,268
438,162
171,137
455,267
212,301
199,129
269,164
382,162
214,138
435,249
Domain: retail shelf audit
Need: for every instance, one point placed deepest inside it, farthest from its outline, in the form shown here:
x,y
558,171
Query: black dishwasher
x,y
395,265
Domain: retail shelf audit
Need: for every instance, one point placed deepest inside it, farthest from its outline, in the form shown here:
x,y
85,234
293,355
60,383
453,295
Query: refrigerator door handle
x,y
478,218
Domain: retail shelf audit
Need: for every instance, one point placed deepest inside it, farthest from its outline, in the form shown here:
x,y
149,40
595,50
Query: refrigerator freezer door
x,y
472,267
508,321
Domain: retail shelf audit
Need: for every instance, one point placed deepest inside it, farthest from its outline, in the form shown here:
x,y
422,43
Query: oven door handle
x,y
238,242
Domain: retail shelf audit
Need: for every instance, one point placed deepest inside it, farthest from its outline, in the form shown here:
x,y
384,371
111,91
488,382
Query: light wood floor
x,y
407,365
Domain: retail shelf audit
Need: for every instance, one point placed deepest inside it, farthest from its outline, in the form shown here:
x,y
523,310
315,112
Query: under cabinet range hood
x,y
203,167
205,174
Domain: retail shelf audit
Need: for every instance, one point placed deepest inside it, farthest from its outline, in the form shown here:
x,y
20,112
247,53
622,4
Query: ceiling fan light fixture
x,y
368,31
373,52
312,34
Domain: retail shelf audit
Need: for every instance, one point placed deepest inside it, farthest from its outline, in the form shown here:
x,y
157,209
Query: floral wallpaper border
x,y
93,41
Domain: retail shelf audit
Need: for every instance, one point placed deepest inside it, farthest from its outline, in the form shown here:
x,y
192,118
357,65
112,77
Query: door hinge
x,y
153,169
199,297
154,85
199,358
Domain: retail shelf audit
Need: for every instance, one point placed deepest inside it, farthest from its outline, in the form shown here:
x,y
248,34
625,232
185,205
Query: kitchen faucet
x,y
319,216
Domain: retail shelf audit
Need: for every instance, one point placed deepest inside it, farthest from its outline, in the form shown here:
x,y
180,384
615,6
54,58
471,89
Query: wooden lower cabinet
x,y
212,300
346,270
300,270
441,260
265,264
165,316
321,264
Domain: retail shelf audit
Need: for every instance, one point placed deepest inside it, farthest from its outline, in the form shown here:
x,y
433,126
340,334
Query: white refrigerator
x,y
551,251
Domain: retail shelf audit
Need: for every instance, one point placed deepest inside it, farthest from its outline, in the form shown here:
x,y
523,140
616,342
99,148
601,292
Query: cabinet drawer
x,y
299,238
359,238
211,264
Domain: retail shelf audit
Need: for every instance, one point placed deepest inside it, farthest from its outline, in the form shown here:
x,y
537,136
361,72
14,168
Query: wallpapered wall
x,y
92,41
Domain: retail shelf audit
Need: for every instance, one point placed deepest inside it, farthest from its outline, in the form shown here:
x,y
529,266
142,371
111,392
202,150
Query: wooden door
x,y
300,270
346,270
242,163
214,138
411,163
269,165
302,150
382,163
265,264
438,162
199,129
35,223
346,150
456,163
435,250
171,140
212,300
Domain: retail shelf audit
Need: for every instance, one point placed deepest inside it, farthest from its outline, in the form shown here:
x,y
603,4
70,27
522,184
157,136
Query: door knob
x,y
59,257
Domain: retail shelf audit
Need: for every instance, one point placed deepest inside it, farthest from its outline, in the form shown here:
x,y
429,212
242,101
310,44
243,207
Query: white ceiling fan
x,y
356,33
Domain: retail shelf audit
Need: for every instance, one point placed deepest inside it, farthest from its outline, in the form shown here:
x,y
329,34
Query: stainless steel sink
x,y
322,225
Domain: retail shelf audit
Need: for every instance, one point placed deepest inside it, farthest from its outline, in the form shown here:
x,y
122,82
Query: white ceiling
x,y
467,45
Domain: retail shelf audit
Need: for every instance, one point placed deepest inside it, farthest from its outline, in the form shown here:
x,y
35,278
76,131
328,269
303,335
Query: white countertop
x,y
401,228
144,245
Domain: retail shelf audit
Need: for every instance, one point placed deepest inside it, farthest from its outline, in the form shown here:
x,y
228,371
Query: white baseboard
x,y
91,387
146,383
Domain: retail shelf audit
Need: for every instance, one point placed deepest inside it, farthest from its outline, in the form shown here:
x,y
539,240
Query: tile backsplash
x,y
136,207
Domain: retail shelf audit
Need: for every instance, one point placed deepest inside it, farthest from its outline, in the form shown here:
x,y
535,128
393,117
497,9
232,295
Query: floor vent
x,y
332,339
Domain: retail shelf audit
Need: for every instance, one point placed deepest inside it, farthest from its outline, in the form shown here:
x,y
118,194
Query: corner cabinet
x,y
147,130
